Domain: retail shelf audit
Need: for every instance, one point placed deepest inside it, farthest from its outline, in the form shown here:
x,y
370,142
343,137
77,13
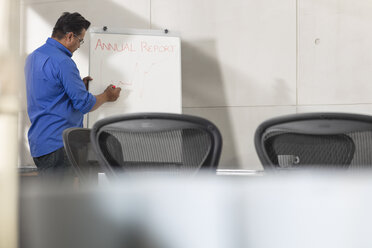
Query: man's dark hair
x,y
70,22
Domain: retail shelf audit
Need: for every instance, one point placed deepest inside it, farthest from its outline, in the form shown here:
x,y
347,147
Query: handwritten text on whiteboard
x,y
144,46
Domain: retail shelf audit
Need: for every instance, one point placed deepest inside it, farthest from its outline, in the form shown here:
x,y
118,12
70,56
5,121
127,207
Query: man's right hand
x,y
112,93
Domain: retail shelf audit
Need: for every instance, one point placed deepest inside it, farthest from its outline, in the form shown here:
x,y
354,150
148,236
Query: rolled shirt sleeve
x,y
81,99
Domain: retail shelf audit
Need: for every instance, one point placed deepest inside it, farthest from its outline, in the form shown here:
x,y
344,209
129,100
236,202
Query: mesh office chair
x,y
315,140
81,154
156,142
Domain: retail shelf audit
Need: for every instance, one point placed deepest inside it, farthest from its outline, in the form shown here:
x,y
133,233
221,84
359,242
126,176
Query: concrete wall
x,y
243,61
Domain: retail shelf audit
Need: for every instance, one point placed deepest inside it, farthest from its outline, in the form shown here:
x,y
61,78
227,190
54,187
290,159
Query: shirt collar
x,y
55,43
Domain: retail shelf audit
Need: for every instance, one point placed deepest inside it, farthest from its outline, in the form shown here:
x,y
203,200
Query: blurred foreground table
x,y
291,210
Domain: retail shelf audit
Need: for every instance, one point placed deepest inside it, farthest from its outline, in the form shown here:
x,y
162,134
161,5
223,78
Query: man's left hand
x,y
86,81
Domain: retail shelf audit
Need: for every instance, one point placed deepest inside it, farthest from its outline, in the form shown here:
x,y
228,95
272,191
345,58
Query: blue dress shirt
x,y
56,96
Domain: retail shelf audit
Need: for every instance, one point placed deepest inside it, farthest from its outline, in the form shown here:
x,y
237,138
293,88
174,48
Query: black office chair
x,y
315,140
156,142
81,154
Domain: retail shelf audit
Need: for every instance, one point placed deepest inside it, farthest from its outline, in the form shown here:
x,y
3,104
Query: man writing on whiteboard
x,y
57,97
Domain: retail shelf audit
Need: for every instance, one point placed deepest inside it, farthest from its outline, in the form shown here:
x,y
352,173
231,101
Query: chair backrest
x,y
156,142
315,140
81,154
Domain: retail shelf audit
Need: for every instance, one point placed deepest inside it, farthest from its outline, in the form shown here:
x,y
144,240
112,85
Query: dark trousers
x,y
55,166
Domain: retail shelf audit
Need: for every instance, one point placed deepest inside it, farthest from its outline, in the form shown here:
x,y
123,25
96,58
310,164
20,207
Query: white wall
x,y
243,61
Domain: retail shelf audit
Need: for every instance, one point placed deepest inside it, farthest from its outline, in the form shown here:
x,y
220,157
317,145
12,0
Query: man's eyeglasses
x,y
80,40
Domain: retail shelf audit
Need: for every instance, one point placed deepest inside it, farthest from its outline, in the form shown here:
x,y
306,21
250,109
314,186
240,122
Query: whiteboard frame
x,y
133,31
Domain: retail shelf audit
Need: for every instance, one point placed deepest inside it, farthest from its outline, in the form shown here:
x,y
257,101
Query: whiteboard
x,y
145,64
